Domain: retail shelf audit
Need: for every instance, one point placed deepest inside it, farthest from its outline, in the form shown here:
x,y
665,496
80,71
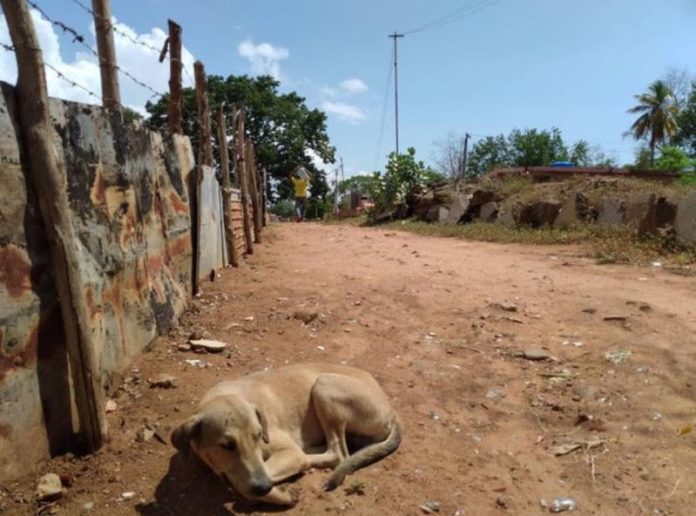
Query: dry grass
x,y
606,244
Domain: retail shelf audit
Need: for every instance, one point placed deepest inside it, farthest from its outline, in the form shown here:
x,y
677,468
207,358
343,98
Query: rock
x,y
611,212
537,354
49,488
88,506
509,215
501,501
539,214
489,212
618,356
665,213
685,221
305,317
457,209
209,346
184,347
430,507
163,381
507,306
128,495
589,310
641,214
494,395
144,434
110,406
437,214
575,209
562,504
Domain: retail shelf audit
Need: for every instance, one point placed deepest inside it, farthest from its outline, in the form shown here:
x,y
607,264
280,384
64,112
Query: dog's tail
x,y
366,456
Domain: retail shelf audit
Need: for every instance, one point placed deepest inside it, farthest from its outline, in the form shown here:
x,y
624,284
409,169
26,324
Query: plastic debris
x,y
562,504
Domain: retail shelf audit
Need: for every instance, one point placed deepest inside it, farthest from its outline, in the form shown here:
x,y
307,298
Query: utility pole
x,y
395,37
175,99
111,95
336,192
466,153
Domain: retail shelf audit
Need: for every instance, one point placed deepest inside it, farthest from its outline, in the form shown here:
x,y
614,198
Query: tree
x,y
686,135
658,116
580,154
487,154
642,158
449,155
402,174
533,148
680,82
673,159
281,126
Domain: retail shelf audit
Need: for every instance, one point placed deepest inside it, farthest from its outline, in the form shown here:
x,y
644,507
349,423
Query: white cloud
x,y
83,68
318,163
343,111
264,58
354,86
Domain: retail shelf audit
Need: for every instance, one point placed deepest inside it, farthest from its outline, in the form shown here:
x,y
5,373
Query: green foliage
x,y
360,183
281,126
528,148
580,154
686,135
658,112
284,208
673,159
403,173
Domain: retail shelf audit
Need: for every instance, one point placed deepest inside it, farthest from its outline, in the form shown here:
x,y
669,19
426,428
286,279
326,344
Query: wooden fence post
x,y
205,145
240,167
254,187
264,198
111,94
46,173
226,187
175,64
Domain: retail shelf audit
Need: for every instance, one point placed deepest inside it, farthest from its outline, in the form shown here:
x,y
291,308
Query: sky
x,y
499,64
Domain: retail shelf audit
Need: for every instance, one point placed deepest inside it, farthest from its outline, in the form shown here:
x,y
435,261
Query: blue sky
x,y
572,64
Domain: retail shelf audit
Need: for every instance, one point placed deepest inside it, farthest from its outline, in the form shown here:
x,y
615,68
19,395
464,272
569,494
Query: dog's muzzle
x,y
261,487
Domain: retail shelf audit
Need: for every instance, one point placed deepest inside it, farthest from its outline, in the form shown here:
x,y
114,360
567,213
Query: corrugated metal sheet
x,y
131,213
212,253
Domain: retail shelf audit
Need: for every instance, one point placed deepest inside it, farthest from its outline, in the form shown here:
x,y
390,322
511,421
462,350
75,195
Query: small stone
x,y
562,504
110,406
590,310
184,347
210,346
537,354
430,507
304,316
88,506
49,487
163,381
249,318
321,348
501,501
494,395
144,434
618,356
508,307
128,495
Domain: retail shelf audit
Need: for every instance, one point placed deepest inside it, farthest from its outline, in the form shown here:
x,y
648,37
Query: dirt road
x,y
442,324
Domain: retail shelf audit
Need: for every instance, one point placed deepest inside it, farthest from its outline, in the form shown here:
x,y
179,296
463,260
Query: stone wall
x,y
130,211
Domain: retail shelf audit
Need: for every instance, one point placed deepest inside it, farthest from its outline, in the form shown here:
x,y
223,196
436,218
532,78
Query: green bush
x,y
284,208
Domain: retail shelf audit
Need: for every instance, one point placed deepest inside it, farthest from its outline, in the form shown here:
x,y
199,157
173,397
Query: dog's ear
x,y
185,433
264,426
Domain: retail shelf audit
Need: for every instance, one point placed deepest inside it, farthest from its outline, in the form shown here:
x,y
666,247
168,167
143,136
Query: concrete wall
x,y
131,212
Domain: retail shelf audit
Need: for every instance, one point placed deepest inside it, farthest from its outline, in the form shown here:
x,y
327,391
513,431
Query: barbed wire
x,y
79,38
72,83
59,74
116,29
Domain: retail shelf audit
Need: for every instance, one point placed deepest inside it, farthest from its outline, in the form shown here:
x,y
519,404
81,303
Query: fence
x,y
116,221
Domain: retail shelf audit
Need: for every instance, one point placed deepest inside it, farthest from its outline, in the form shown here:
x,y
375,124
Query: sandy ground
x,y
442,324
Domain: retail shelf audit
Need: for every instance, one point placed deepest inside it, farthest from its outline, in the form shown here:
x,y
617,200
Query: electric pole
x,y
466,152
395,37
336,192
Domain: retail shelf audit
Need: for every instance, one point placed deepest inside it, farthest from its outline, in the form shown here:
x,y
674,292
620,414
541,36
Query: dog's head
x,y
227,434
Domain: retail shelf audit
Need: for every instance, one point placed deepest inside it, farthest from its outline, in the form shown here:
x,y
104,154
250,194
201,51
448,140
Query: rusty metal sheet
x,y
130,211
212,253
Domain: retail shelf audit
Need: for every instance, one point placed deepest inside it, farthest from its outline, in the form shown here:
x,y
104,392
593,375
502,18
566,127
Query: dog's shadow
x,y
190,488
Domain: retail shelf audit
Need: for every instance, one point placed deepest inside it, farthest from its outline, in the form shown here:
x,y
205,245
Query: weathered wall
x,y
131,212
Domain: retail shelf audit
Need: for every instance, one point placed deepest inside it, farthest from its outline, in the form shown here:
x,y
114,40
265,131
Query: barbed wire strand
x,y
59,74
115,28
79,38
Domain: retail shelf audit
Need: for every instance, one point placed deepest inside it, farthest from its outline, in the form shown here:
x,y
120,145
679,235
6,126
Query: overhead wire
x,y
463,11
387,91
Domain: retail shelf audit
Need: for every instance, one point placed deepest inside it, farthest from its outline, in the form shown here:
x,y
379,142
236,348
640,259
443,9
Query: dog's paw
x,y
291,495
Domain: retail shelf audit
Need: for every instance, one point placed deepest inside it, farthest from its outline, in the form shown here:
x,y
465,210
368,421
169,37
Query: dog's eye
x,y
229,445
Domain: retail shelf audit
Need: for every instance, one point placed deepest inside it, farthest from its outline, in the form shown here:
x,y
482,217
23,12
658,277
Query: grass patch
x,y
607,244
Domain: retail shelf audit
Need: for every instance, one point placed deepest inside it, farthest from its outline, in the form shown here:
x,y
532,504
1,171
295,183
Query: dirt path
x,y
423,315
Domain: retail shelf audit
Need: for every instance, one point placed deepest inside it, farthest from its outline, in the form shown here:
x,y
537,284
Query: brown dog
x,y
264,428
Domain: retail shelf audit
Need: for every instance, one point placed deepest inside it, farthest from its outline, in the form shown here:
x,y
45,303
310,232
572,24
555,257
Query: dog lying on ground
x,y
267,427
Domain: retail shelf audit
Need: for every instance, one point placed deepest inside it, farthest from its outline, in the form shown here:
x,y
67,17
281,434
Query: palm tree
x,y
658,116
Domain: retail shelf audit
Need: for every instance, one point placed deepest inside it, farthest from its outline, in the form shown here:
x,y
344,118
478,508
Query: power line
x,y
463,11
387,90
